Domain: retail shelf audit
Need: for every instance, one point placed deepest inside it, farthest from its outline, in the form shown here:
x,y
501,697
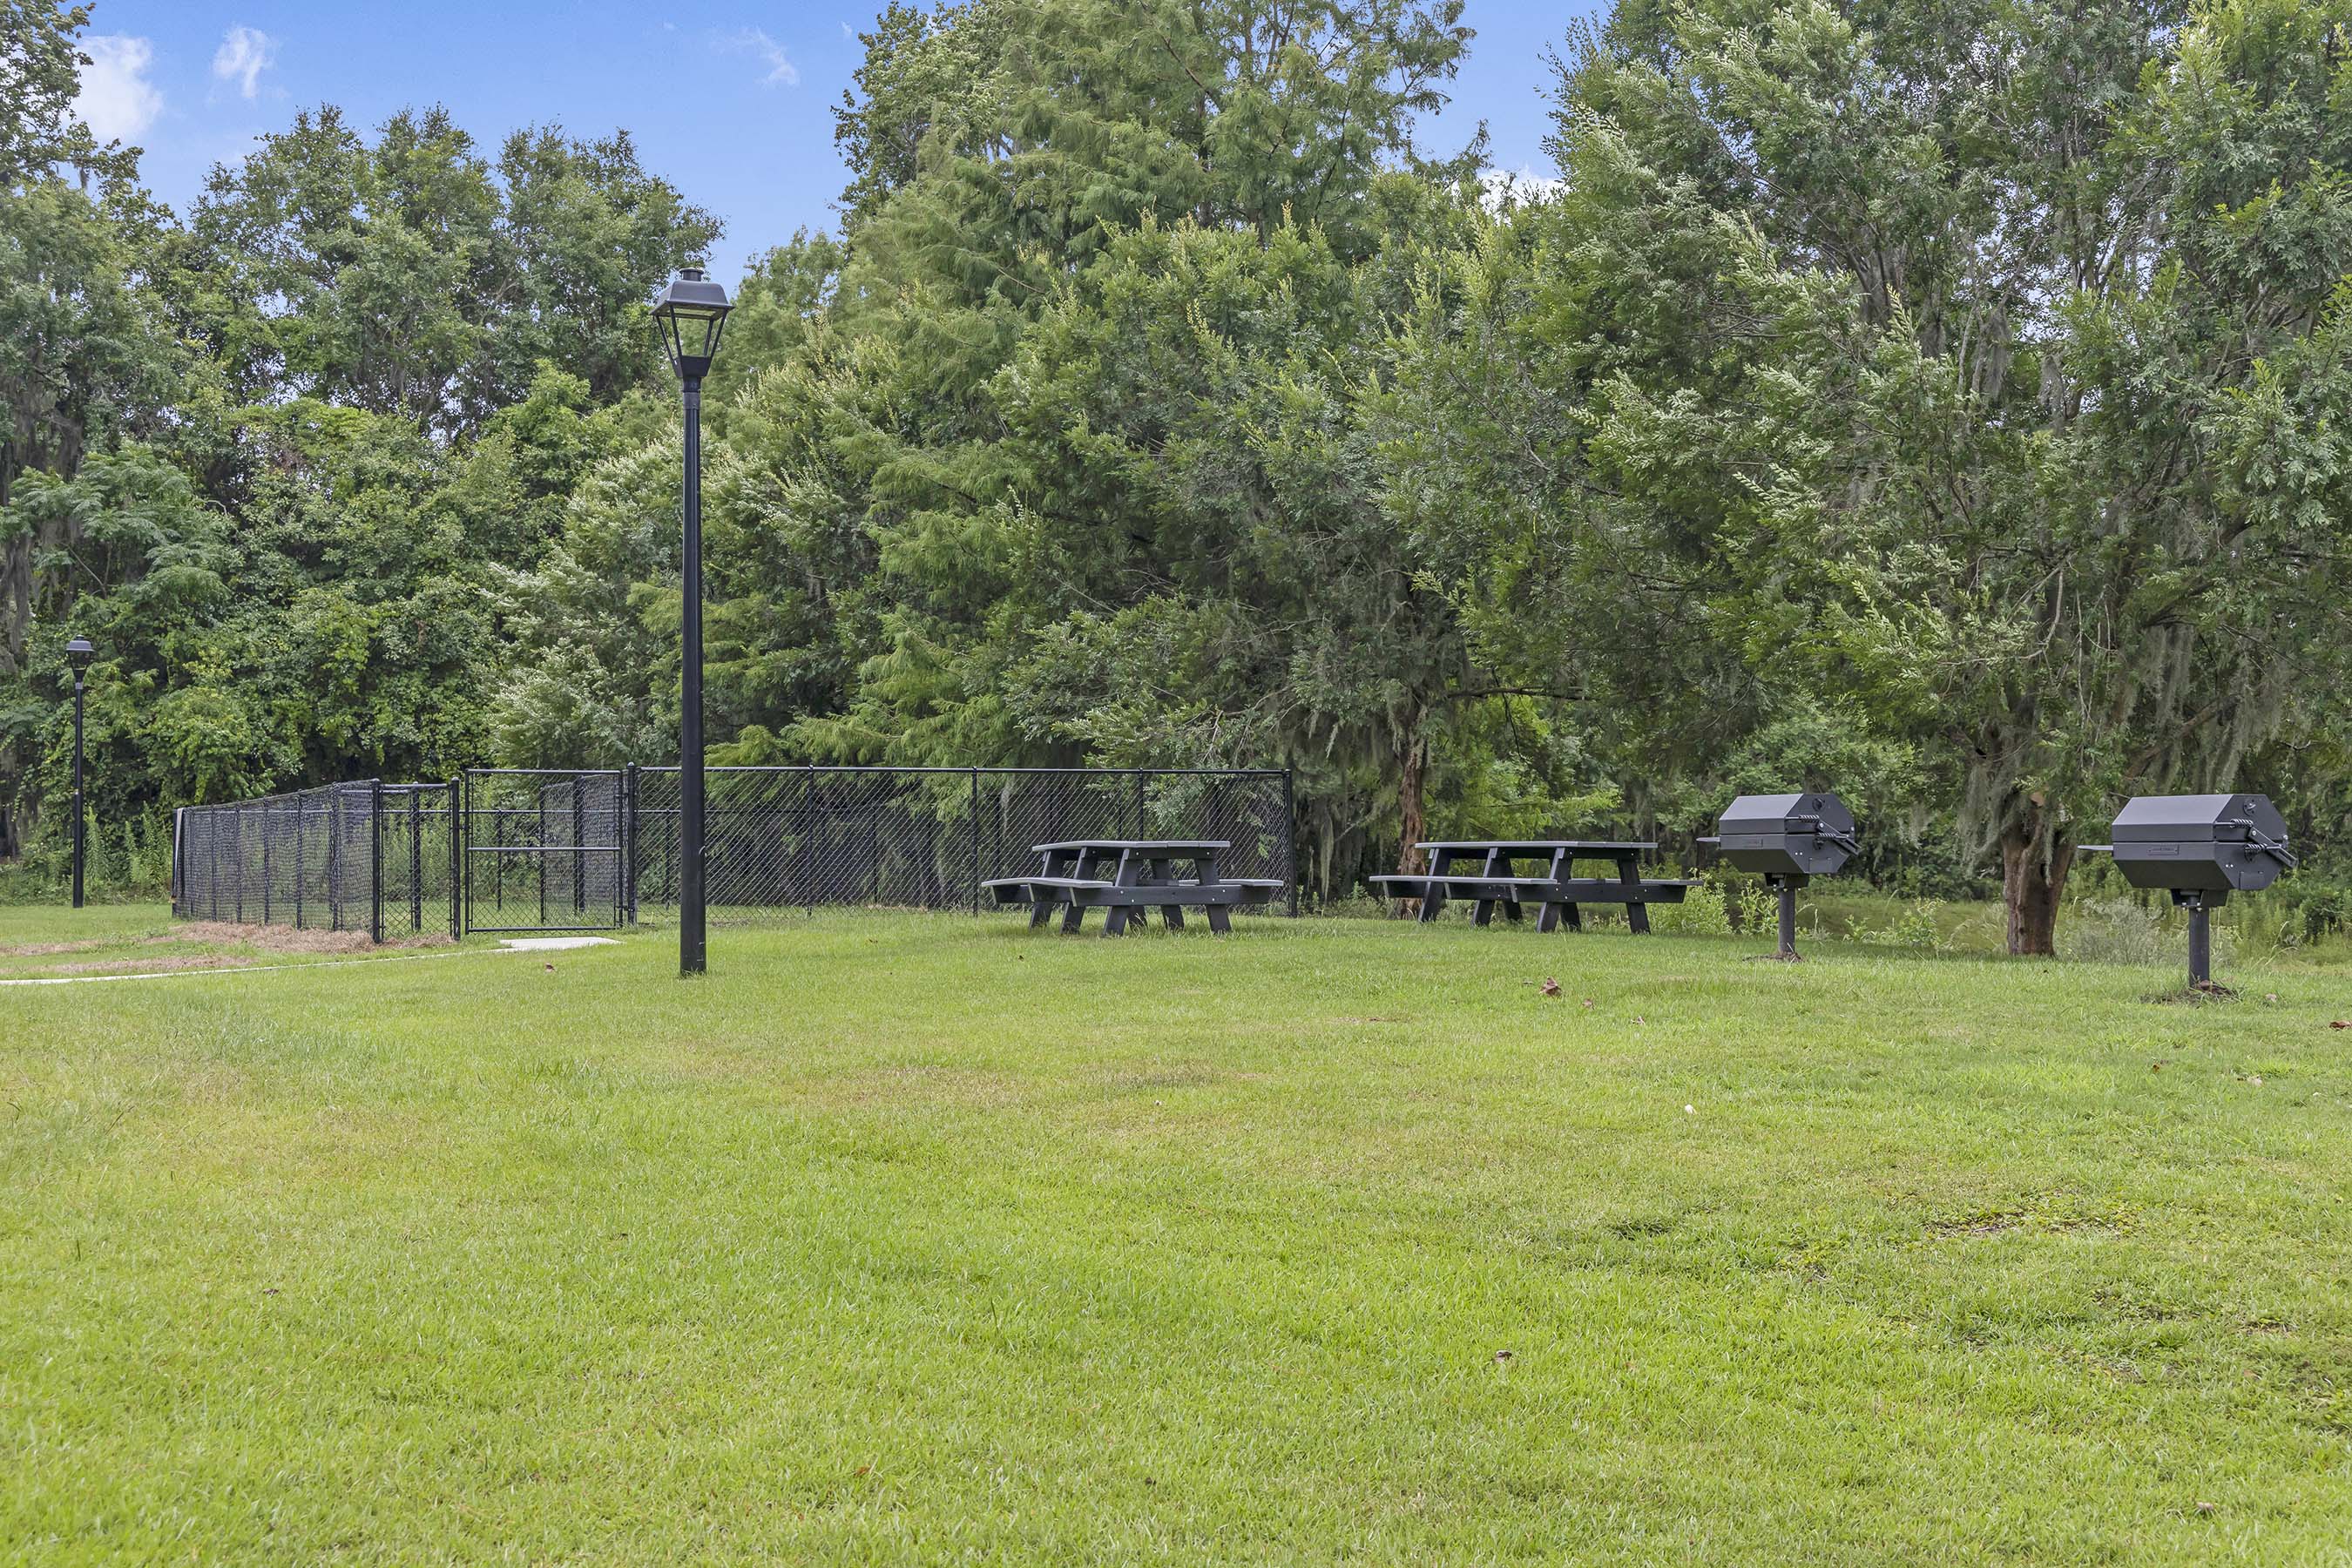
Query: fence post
x,y
975,841
808,837
456,861
239,894
375,860
1290,840
628,826
179,815
267,813
301,866
579,855
334,859
415,862
1139,832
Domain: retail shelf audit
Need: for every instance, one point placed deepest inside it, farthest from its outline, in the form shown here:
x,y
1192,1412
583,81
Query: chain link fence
x,y
376,857
778,840
585,849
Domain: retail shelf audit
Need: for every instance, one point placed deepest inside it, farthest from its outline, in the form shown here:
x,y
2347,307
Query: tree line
x,y
1938,400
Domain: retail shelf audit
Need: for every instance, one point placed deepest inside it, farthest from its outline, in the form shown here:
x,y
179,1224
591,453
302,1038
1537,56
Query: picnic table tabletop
x,y
1171,847
1538,846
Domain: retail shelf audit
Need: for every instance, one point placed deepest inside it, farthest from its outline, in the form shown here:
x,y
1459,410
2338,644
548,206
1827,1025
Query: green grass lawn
x,y
922,1239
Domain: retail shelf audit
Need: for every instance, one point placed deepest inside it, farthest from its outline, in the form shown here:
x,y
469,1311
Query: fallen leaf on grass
x,y
2339,1024
1503,1355
1550,987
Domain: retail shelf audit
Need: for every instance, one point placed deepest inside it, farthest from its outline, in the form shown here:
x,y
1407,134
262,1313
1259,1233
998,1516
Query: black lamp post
x,y
78,654
690,313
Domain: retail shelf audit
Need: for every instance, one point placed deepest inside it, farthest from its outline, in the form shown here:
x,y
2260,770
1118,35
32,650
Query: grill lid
x,y
1821,814
2202,819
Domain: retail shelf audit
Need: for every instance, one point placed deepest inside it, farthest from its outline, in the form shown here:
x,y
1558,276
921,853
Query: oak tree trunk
x,y
2030,886
1413,762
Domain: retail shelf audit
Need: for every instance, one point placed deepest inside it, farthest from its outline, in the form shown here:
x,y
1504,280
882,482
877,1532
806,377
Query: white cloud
x,y
782,72
116,101
244,54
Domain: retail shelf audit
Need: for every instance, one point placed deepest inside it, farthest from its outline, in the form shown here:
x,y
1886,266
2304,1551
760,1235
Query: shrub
x,y
1916,925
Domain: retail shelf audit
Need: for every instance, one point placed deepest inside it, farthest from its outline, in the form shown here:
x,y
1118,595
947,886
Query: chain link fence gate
x,y
544,850
519,850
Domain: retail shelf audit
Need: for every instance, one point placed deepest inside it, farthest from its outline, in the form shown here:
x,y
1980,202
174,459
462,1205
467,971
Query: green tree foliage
x,y
286,463
1935,359
1935,399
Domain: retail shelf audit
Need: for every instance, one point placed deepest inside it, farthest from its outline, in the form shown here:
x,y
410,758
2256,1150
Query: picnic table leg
x,y
1129,874
1637,913
1548,918
1206,868
1075,916
1433,900
1484,913
1163,873
1040,903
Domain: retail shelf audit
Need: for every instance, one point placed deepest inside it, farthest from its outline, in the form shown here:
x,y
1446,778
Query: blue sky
x,y
731,103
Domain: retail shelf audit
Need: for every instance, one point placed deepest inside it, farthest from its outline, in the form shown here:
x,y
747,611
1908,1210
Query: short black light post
x,y
690,313
78,654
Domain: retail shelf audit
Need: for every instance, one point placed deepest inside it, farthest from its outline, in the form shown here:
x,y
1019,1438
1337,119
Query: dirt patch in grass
x,y
164,965
2204,995
230,945
1977,1224
285,939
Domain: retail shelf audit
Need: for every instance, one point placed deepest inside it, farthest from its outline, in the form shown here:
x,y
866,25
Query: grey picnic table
x,y
1557,891
1128,878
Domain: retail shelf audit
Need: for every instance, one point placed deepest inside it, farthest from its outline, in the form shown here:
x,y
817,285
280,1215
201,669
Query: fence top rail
x,y
541,773
959,771
295,796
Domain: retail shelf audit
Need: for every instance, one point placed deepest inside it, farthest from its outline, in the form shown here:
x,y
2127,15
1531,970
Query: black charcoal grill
x,y
2201,848
1790,839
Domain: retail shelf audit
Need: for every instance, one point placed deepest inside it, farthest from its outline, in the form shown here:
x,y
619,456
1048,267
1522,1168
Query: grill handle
x,y
1835,835
2274,848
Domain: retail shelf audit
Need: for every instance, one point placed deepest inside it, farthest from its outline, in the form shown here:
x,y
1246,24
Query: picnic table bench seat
x,y
1534,890
1481,870
1143,878
1092,891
